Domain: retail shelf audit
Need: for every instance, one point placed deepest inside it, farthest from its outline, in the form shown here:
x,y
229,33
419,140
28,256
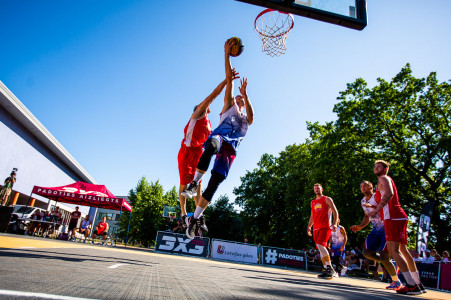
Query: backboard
x,y
346,13
169,211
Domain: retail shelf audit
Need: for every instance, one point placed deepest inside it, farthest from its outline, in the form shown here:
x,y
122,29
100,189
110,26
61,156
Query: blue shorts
x,y
224,158
375,241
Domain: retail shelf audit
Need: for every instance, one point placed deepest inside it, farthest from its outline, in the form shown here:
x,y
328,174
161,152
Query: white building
x,y
40,159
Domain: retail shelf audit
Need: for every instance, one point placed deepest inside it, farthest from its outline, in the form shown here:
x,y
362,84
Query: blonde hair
x,y
383,162
367,182
318,184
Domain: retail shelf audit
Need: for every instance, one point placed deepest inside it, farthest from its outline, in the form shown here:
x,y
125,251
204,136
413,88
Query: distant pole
x,y
28,202
128,228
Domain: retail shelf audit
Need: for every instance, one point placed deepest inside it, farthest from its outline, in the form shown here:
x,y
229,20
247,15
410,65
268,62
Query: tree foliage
x,y
148,200
405,121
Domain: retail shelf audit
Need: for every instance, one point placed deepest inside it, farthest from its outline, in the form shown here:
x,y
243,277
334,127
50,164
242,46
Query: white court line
x,y
116,266
38,295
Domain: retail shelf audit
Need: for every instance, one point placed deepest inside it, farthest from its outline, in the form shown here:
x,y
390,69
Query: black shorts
x,y
72,226
104,233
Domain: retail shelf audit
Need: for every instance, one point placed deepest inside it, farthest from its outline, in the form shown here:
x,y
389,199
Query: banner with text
x,y
284,258
167,241
234,251
428,274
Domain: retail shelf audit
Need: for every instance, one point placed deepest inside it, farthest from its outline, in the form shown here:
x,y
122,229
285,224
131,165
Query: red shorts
x,y
396,230
321,236
188,158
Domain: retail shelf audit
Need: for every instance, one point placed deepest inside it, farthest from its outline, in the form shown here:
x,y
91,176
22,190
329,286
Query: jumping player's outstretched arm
x,y
203,106
247,102
228,96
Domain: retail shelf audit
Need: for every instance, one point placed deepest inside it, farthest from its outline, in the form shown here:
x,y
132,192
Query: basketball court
x,y
37,268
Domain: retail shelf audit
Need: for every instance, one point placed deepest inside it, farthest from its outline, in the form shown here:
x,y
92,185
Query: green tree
x,y
223,221
407,122
148,200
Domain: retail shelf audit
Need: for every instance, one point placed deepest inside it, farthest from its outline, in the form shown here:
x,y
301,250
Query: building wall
x,y
35,163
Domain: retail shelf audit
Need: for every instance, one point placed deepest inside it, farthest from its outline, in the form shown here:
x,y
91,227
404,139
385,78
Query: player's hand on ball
x,y
228,47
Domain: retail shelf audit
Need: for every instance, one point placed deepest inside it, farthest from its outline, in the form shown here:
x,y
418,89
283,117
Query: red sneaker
x,y
409,290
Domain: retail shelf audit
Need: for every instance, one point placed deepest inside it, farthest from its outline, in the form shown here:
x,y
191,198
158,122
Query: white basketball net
x,y
273,27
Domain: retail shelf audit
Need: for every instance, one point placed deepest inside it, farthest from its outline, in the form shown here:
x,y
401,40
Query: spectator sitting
x,y
245,241
85,228
178,228
73,222
429,259
372,267
311,255
437,258
101,230
351,261
445,255
417,257
33,226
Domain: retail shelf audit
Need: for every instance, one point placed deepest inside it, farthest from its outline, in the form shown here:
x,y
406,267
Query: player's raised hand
x,y
228,46
235,74
243,86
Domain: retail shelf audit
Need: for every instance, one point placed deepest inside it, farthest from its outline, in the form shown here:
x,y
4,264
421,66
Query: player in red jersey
x,y
395,223
196,133
322,209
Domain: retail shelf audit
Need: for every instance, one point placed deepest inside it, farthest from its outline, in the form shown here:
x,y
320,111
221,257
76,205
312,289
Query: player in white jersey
x,y
375,247
337,241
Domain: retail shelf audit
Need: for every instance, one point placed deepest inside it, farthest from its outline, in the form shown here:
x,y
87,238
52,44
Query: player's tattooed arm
x,y
385,182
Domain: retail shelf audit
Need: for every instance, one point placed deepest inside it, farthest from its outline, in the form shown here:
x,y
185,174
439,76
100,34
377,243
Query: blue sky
x,y
115,81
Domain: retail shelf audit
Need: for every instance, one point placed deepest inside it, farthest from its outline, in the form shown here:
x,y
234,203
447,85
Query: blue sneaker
x,y
395,285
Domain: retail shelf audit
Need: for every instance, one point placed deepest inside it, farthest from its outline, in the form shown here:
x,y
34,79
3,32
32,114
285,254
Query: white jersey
x,y
232,126
369,206
338,239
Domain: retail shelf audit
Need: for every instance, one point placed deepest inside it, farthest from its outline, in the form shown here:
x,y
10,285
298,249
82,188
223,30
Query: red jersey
x,y
102,227
321,213
197,132
392,210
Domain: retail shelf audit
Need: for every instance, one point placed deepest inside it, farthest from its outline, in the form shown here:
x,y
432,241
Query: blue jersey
x,y
232,126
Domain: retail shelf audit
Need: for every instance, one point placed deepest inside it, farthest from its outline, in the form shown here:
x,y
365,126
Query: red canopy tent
x,y
82,193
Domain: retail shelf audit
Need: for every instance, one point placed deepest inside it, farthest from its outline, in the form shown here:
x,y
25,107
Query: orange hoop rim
x,y
270,10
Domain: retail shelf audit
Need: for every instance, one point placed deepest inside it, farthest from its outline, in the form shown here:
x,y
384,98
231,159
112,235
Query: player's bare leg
x,y
412,266
394,248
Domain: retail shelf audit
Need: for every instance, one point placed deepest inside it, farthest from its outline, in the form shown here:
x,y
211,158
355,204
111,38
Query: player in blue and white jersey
x,y
375,247
222,142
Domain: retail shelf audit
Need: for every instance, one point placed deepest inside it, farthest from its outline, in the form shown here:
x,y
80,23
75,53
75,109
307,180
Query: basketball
x,y
237,47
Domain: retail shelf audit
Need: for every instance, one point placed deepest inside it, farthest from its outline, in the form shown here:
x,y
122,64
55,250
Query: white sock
x,y
409,278
198,212
328,263
197,176
416,277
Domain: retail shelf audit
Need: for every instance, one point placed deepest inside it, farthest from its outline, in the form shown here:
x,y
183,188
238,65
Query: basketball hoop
x,y
273,27
172,216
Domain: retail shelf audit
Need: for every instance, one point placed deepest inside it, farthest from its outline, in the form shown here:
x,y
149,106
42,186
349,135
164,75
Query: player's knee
x,y
213,184
211,148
